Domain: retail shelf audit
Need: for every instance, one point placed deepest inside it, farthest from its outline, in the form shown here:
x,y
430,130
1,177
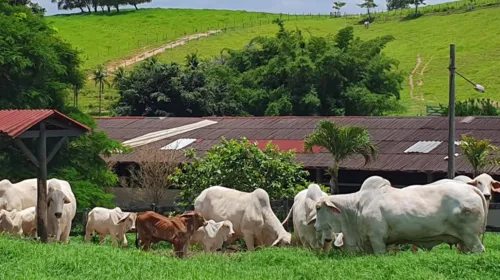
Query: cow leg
x,y
88,234
101,238
378,245
145,244
65,231
249,241
179,249
185,249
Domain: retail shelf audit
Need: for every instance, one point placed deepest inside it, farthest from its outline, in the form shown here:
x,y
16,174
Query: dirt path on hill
x,y
410,78
112,66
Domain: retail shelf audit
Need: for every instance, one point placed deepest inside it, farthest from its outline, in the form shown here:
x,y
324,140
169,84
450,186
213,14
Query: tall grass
x,y
28,260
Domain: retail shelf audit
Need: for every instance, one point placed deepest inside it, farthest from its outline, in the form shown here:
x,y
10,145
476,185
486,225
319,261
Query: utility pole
x,y
451,116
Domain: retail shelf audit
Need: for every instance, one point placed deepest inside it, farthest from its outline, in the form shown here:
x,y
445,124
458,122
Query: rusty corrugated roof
x,y
392,135
15,122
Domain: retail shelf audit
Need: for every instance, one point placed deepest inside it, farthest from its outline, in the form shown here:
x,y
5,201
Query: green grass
x,y
103,37
475,34
28,260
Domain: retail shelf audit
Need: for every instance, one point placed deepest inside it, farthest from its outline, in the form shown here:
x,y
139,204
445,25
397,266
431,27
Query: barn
x,y
413,150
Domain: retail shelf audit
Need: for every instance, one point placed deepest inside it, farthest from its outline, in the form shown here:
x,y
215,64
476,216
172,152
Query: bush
x,y
241,165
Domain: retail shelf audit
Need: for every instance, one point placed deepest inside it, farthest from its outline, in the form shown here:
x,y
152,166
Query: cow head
x,y
327,221
55,202
128,221
223,229
284,239
485,184
195,219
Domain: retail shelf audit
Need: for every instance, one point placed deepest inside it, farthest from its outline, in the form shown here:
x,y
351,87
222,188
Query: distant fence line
x,y
159,39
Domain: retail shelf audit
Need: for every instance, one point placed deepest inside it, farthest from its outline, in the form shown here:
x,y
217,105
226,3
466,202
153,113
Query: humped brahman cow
x,y
213,235
111,222
61,209
303,210
379,215
250,213
19,222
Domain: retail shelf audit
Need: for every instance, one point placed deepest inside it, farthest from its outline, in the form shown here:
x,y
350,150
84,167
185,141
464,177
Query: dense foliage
x,y
474,107
480,153
281,75
89,5
36,71
243,166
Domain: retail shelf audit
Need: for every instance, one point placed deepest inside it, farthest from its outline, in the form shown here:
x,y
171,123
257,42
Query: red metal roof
x,y
286,145
15,122
392,135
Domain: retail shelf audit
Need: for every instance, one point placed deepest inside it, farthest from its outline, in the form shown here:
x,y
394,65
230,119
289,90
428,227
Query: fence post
x,y
84,221
153,207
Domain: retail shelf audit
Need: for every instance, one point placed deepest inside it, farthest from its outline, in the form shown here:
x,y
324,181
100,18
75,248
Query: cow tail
x,y
136,235
288,216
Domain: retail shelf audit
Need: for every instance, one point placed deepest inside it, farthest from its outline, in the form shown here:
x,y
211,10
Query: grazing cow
x,y
153,227
213,235
18,196
251,215
111,222
425,215
19,222
61,209
304,209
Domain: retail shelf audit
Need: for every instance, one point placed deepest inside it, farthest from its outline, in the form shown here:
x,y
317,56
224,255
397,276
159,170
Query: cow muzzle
x,y
328,240
58,215
487,197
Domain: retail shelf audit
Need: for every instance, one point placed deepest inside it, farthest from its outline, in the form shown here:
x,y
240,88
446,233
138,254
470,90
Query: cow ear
x,y
66,200
473,183
312,221
332,207
339,241
495,186
212,228
124,218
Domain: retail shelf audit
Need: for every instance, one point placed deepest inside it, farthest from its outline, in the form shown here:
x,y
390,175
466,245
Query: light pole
x,y
451,111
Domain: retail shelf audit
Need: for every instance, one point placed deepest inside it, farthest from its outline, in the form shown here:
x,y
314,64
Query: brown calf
x,y
152,228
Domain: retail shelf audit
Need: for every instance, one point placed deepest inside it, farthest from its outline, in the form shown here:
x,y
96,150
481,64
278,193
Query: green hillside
x,y
103,37
475,34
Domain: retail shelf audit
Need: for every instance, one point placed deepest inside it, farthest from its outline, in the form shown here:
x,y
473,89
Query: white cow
x,y
111,222
425,215
61,209
19,222
304,209
250,213
484,182
4,186
213,235
18,196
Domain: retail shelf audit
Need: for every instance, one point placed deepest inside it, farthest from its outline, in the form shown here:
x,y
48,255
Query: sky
x,y
272,6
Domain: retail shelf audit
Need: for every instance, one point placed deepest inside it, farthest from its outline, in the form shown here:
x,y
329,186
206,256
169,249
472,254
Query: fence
x,y
280,208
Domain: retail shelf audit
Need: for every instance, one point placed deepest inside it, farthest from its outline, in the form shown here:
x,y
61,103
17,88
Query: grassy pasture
x,y
29,260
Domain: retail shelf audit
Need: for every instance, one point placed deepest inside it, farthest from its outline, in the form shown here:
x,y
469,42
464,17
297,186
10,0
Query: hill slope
x,y
421,45
103,37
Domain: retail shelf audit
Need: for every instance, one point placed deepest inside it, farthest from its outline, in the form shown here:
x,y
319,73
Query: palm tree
x,y
368,4
101,78
342,143
119,76
478,152
338,5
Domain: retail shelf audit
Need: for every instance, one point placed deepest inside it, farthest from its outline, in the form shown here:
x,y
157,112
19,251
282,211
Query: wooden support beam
x,y
56,148
41,205
51,133
26,151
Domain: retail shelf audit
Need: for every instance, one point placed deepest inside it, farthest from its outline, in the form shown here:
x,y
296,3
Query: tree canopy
x,y
274,76
37,70
241,165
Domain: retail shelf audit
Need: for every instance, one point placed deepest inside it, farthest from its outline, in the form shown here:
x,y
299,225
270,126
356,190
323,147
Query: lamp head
x,y
479,88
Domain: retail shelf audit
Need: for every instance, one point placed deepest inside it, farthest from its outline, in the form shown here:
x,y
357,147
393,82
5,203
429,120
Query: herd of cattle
x,y
375,219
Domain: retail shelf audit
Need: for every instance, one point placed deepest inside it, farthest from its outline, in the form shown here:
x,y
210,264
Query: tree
x,y
153,171
241,165
368,4
342,143
417,3
478,153
474,107
100,78
137,2
120,76
397,4
338,5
